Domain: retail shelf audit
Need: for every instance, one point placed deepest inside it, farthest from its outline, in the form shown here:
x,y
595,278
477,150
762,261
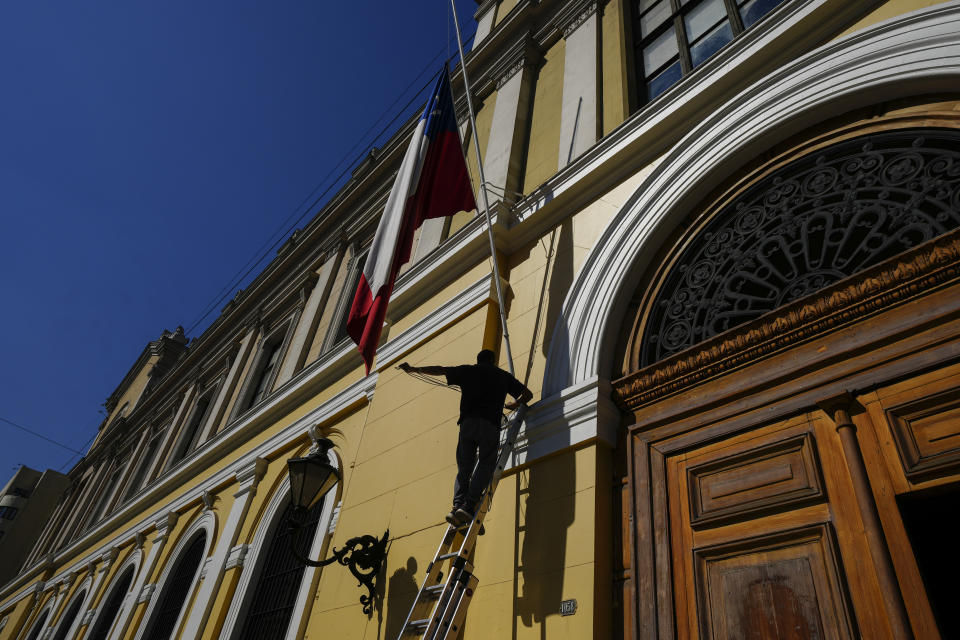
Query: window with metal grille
x,y
108,613
8,513
38,626
674,36
275,593
66,622
176,590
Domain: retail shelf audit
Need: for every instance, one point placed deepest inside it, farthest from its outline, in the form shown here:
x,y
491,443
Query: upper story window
x,y
145,462
190,437
265,368
674,36
8,513
338,326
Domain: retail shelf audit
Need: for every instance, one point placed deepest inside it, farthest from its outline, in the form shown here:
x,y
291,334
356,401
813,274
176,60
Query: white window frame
x,y
207,522
253,562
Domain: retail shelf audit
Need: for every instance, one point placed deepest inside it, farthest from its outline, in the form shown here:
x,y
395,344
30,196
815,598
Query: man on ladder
x,y
484,387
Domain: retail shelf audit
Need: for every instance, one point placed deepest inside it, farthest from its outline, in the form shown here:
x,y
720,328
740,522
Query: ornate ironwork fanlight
x,y
311,477
812,222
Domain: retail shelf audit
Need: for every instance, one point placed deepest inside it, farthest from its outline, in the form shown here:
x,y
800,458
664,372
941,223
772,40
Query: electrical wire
x,y
41,436
286,227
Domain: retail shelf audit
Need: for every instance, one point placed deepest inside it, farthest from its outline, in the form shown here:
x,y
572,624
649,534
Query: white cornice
x,y
580,414
443,316
353,396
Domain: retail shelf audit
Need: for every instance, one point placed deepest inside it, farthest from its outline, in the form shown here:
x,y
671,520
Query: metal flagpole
x,y
483,190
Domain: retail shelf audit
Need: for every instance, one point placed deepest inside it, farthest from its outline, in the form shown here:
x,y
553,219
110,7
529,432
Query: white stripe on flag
x,y
384,247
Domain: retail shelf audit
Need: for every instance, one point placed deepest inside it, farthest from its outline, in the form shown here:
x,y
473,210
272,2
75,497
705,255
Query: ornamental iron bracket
x,y
362,555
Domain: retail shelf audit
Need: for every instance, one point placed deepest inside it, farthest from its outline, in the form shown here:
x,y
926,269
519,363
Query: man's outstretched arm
x,y
430,371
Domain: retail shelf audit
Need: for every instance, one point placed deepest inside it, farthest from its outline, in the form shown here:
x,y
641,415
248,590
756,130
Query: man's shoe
x,y
453,518
463,515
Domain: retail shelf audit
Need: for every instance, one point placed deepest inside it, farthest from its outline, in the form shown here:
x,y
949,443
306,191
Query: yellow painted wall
x,y
616,105
505,7
544,142
887,10
484,118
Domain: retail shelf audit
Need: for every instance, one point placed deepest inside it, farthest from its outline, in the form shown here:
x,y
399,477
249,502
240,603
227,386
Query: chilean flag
x,y
432,183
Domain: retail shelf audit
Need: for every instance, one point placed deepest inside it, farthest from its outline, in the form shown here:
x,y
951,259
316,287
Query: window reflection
x,y
675,36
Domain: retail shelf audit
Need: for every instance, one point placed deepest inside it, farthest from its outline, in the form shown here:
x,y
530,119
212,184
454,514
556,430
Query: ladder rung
x,y
434,591
447,556
418,623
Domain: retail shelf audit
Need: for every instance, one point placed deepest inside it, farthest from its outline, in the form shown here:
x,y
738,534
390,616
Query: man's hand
x,y
512,406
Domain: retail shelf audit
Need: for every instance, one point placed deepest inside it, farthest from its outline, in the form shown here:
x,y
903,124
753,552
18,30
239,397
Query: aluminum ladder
x,y
441,605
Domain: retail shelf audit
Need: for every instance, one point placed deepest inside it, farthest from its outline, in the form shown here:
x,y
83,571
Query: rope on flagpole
x,y
483,190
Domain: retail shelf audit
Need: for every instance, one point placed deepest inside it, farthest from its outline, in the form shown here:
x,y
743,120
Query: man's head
x,y
486,357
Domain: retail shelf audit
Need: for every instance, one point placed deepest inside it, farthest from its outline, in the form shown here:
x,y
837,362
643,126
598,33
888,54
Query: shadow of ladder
x,y
441,605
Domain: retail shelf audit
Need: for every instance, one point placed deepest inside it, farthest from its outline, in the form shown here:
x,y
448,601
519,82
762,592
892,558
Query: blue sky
x,y
148,151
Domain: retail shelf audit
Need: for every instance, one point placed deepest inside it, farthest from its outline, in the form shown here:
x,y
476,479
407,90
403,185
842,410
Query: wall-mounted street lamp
x,y
311,477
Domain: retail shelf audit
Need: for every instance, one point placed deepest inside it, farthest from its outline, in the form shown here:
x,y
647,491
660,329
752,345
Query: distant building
x,y
26,503
730,237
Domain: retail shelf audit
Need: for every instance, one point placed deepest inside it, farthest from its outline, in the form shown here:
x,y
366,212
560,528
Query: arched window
x,y
70,617
38,626
175,591
280,575
803,227
111,606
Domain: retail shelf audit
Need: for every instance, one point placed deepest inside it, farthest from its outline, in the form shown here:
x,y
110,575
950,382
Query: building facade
x,y
26,503
728,232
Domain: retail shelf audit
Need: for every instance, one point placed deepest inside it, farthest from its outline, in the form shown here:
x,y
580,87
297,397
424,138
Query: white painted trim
x,y
207,522
911,54
253,561
237,556
35,626
133,561
353,396
579,414
26,593
84,593
437,320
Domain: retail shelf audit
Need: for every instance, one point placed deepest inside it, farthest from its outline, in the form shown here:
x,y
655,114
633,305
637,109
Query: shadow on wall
x,y
401,592
547,490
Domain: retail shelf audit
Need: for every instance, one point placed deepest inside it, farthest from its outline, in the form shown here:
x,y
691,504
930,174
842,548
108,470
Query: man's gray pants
x,y
476,460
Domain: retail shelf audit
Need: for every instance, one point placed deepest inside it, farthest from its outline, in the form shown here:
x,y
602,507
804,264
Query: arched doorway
x,y
793,371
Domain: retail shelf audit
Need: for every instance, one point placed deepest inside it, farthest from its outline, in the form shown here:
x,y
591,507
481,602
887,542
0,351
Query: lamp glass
x,y
310,479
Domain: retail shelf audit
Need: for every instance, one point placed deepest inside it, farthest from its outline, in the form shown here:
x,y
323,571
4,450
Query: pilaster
x,y
580,107
485,15
310,318
503,158
248,477
141,591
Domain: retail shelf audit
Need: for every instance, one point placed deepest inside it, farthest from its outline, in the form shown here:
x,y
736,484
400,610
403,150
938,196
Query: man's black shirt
x,y
484,389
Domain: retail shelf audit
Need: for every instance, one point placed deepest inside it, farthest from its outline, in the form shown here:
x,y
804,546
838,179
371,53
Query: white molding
x,y
237,556
48,608
165,515
146,593
580,414
84,593
908,55
132,561
437,320
465,247
206,522
251,556
26,593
